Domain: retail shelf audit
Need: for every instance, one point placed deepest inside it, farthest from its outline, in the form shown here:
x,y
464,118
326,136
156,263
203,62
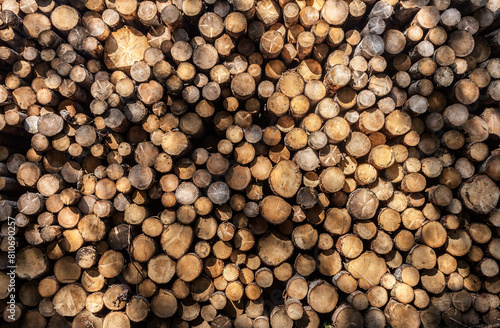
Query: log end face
x,y
275,248
480,194
124,47
275,209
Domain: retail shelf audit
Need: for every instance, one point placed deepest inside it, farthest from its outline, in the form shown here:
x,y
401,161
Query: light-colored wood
x,y
115,53
222,156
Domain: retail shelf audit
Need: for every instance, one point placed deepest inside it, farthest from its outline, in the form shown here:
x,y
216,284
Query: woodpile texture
x,y
241,163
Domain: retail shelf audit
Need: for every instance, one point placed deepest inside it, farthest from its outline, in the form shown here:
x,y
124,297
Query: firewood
x,y
74,293
271,44
240,151
394,312
479,182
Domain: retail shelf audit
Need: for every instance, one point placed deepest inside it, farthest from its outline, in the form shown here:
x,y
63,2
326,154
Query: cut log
x,y
274,248
285,179
484,186
368,268
275,210
116,55
224,155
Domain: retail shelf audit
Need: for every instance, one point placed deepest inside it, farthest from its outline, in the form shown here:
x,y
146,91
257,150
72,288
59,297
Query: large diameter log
x,y
461,42
176,239
480,194
64,18
31,263
322,297
141,177
164,304
69,300
161,269
285,179
117,53
345,316
368,268
35,23
50,124
218,192
30,203
335,12
459,242
401,315
275,209
238,177
243,86
274,248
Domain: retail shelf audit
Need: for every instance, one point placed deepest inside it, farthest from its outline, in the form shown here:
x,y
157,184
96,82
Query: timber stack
x,y
241,163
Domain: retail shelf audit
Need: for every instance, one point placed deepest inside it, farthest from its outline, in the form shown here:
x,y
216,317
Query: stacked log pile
x,y
241,163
